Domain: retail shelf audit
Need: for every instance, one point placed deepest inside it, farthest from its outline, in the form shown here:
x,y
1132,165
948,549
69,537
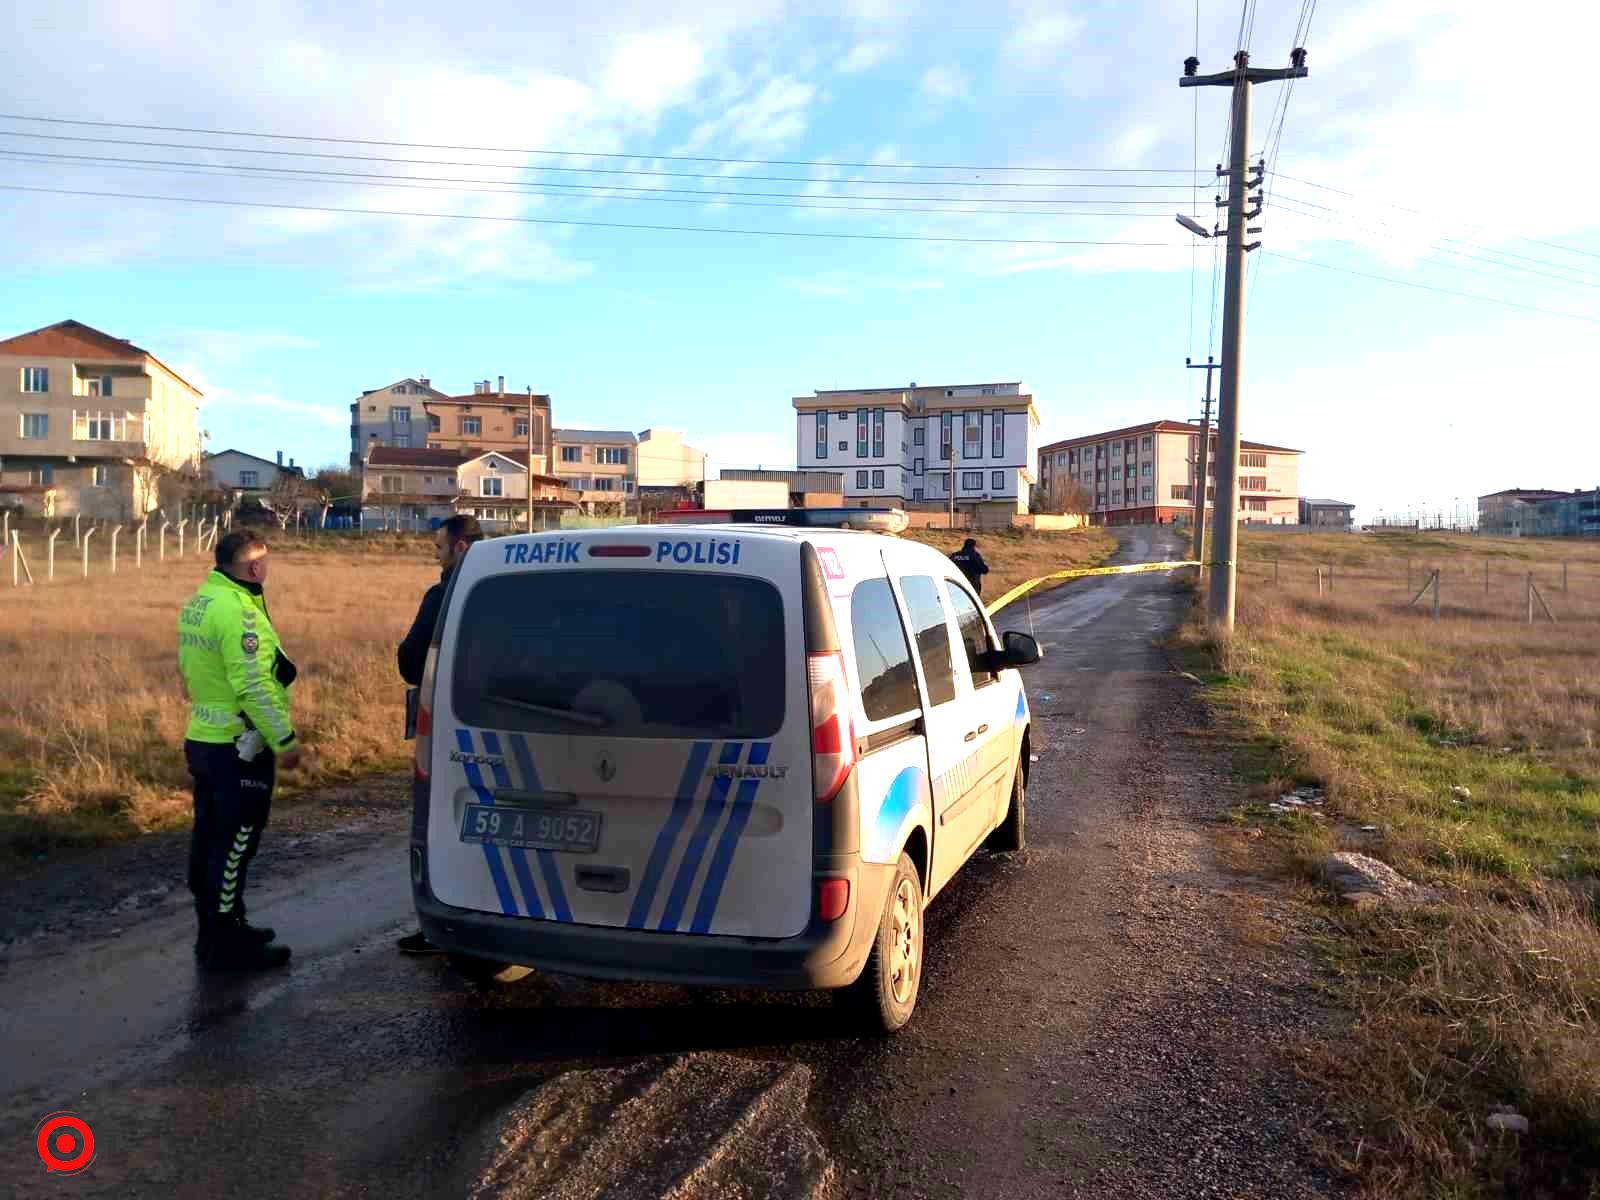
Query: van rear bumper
x,y
826,955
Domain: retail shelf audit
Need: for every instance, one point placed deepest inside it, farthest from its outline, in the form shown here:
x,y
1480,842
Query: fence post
x,y
1436,593
85,545
1319,581
16,554
77,529
1563,579
1274,572
138,544
1486,577
6,535
181,525
1330,579
164,524
54,534
115,533
1529,588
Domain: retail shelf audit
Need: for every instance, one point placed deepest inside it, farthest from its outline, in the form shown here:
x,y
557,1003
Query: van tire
x,y
487,970
1009,834
882,996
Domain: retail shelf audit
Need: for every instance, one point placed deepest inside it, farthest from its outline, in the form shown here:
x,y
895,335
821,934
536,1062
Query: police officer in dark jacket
x,y
450,544
971,564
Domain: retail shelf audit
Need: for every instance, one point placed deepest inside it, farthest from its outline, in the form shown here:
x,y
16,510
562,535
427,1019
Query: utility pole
x,y
950,480
1225,525
530,458
1200,467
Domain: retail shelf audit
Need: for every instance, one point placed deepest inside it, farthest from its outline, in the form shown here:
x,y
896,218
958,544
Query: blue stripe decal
x,y
547,858
695,850
717,873
497,872
668,837
518,856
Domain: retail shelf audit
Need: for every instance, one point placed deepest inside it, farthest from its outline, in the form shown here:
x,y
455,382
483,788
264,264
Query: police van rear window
x,y
620,654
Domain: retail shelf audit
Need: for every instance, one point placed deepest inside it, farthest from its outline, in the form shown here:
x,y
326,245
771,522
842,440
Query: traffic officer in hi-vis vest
x,y
239,733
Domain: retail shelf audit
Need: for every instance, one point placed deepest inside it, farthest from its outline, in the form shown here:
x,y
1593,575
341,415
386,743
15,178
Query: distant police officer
x,y
971,564
451,541
239,732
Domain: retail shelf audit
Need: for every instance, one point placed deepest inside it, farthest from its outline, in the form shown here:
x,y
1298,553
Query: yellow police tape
x,y
1080,573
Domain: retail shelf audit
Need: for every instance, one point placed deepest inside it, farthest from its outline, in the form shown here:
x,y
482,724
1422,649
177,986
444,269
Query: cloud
x,y
864,56
334,418
944,83
1039,41
769,117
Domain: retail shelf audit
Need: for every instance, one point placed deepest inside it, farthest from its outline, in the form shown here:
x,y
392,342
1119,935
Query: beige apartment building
x,y
90,424
665,460
406,488
1146,474
601,465
411,414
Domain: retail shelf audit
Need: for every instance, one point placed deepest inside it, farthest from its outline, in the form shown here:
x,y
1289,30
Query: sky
x,y
1421,315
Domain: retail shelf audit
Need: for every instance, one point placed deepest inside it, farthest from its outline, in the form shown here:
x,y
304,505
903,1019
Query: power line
x,y
516,187
1549,312
628,171
438,216
763,162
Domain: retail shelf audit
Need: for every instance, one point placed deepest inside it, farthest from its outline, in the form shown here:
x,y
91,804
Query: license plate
x,y
531,828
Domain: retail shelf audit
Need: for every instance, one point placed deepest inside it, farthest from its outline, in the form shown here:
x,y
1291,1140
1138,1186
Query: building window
x,y
1180,491
917,494
98,385
392,483
100,477
822,435
946,436
877,479
1116,472
403,440
99,426
918,466
861,433
972,481
519,427
399,416
997,481
1116,496
988,391
1147,492
861,479
1259,461
997,419
877,433
572,454
492,485
971,435
471,426
1253,483
918,435
1146,470
844,446
843,416
616,456
36,379
400,389
35,425
433,423
43,475
249,479
1254,505
604,483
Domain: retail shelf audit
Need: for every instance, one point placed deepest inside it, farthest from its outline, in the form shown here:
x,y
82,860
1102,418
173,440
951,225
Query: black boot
x,y
260,934
223,946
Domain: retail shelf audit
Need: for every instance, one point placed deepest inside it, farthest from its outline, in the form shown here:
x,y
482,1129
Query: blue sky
x,y
1398,395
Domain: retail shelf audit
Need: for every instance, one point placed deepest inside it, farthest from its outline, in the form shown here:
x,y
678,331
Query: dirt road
x,y
1101,1014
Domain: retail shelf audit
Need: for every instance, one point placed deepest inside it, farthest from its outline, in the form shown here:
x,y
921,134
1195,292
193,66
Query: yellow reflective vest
x,y
227,651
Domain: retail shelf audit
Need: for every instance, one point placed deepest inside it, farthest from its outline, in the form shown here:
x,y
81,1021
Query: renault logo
x,y
605,767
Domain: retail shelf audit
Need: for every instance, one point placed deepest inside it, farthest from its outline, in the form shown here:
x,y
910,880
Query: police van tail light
x,y
423,765
833,741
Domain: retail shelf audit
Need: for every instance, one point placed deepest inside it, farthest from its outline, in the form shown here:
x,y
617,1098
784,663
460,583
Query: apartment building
x,y
90,423
665,460
1145,474
408,488
914,446
601,465
1510,513
413,414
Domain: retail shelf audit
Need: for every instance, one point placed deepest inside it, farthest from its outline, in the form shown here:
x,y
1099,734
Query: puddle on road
x,y
680,1128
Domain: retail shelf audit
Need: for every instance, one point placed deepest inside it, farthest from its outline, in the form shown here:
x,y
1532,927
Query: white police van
x,y
741,753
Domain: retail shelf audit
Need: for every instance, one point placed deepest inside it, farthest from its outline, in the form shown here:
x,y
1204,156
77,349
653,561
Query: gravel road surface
x,y
1107,1013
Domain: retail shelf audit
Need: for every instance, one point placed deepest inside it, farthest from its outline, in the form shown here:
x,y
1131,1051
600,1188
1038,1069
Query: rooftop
x,y
1156,427
594,435
74,339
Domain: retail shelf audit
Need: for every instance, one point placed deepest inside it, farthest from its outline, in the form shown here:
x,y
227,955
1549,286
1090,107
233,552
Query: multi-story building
x,y
1145,474
601,465
415,489
413,414
915,446
1566,514
1510,513
665,460
90,423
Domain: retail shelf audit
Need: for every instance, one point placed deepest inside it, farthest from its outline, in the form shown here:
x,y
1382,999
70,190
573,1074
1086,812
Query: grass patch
x,y
1472,744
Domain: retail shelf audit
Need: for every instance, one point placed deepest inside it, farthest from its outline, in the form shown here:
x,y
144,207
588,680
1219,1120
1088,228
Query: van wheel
x,y
886,991
1009,835
487,970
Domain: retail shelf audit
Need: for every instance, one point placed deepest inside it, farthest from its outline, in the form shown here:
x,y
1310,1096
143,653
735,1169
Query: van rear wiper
x,y
577,716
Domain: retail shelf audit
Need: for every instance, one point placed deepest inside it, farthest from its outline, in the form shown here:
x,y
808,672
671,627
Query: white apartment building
x,y
901,446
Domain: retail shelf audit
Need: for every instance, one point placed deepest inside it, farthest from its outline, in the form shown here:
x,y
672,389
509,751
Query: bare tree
x,y
331,485
287,495
1064,495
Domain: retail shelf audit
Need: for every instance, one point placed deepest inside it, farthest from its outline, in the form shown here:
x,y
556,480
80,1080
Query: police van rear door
x,y
621,733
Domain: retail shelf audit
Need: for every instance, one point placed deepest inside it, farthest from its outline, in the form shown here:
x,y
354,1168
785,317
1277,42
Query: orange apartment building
x,y
1145,475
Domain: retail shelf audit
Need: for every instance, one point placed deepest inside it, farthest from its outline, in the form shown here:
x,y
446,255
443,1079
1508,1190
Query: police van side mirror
x,y
1018,650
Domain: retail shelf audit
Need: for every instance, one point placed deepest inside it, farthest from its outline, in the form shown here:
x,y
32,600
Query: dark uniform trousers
x,y
231,801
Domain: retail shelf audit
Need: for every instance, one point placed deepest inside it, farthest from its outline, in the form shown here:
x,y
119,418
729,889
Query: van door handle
x,y
972,735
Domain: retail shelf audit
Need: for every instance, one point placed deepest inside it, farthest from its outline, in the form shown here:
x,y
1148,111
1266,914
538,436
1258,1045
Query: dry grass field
x,y
92,710
1472,744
